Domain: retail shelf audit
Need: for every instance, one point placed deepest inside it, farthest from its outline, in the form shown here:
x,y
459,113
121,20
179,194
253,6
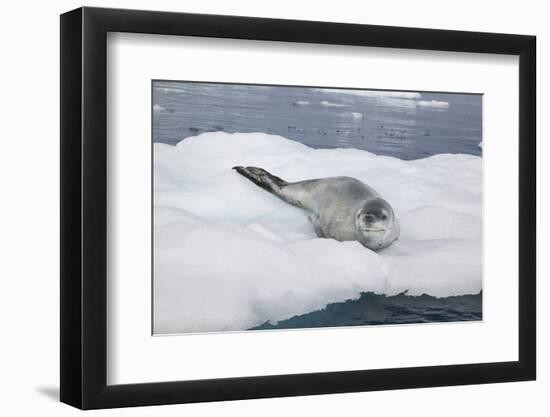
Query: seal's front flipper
x,y
273,184
314,220
262,178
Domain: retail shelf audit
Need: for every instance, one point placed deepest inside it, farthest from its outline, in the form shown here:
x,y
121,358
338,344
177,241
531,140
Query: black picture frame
x,y
84,207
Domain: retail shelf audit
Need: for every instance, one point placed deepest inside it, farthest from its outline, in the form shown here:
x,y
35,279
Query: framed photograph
x,y
259,208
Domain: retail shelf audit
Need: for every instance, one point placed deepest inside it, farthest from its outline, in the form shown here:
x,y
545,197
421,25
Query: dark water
x,y
407,128
372,309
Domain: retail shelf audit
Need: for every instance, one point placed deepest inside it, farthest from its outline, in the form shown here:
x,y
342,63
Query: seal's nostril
x,y
368,217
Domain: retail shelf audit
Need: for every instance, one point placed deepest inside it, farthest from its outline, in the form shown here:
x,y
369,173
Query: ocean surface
x,y
374,309
405,125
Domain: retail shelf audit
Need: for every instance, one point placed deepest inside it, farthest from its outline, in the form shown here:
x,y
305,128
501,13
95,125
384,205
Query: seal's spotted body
x,y
341,208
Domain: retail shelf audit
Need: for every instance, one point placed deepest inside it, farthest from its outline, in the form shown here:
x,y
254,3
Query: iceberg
x,y
229,256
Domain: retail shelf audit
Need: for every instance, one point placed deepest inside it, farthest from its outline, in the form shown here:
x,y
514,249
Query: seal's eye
x,y
384,216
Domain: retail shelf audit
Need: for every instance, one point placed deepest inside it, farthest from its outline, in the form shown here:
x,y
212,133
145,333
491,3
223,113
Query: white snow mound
x,y
230,256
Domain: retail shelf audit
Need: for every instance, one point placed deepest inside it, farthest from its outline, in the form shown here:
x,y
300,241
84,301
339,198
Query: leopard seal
x,y
341,208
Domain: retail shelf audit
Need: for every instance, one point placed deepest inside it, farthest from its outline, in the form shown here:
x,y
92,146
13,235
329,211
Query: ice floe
x,y
230,256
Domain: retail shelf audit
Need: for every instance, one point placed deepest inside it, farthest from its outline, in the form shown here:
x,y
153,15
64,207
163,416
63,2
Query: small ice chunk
x,y
331,104
434,104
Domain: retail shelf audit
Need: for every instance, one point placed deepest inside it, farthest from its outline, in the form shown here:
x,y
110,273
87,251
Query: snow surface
x,y
229,255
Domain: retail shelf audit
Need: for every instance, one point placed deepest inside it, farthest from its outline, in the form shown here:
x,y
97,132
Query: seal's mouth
x,y
373,229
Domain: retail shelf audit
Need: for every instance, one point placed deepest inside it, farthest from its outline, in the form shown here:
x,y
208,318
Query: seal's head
x,y
375,223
